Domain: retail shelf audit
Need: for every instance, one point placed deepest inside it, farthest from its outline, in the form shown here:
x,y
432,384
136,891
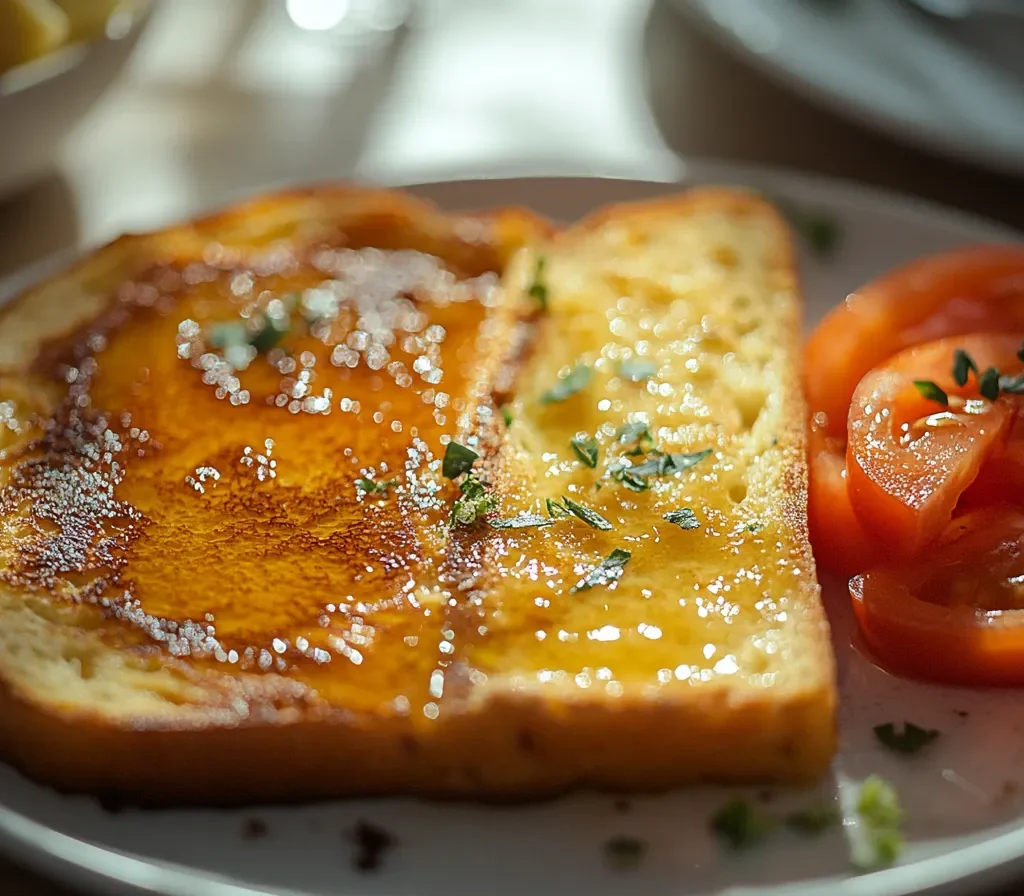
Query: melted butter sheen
x,y
191,493
692,605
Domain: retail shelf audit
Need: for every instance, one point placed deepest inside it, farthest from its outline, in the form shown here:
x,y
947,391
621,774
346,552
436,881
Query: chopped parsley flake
x,y
879,840
555,508
667,464
585,448
625,853
931,391
458,459
740,826
591,517
910,740
474,503
523,521
369,487
573,382
538,290
684,518
633,432
506,415
608,573
637,369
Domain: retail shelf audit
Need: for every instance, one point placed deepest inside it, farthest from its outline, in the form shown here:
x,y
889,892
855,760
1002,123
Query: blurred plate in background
x,y
951,88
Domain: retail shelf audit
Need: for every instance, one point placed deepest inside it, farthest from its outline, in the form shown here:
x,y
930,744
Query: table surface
x,y
614,87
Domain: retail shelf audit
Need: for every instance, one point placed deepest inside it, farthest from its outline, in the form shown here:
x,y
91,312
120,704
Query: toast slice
x,y
228,572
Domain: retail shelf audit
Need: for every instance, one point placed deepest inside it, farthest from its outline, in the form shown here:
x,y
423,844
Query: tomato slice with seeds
x,y
956,615
909,458
966,291
840,543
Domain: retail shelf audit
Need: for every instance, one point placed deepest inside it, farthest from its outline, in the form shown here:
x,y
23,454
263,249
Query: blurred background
x,y
169,107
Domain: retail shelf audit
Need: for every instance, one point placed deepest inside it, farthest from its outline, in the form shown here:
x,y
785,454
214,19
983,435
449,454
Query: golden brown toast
x,y
228,573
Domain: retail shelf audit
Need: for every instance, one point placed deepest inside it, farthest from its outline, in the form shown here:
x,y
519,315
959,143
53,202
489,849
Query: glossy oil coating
x,y
225,508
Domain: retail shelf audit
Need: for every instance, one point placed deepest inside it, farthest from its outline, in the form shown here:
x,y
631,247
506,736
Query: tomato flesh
x,y
840,543
967,291
909,459
957,615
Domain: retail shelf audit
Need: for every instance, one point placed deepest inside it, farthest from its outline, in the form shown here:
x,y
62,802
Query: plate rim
x,y
949,146
82,863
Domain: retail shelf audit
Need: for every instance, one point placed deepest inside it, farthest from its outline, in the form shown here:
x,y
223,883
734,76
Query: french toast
x,y
236,566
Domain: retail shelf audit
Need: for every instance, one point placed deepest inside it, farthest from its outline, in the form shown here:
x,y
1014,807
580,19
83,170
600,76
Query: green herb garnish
x,y
591,517
878,839
523,521
625,853
538,290
269,335
633,432
585,448
627,477
813,820
911,739
458,459
988,384
555,508
667,464
931,391
637,369
224,335
963,364
577,379
369,487
819,230
506,415
740,826
608,573
474,503
990,381
683,518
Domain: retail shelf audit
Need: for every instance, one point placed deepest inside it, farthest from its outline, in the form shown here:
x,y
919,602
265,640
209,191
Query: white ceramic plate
x,y
955,90
966,820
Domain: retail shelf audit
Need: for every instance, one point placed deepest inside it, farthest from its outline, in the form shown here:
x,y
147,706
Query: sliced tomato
x,y
840,543
967,291
909,458
956,615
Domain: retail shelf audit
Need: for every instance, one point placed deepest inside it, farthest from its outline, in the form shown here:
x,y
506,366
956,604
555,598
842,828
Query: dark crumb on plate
x,y
254,829
625,853
371,844
765,796
622,805
963,713
112,804
1008,792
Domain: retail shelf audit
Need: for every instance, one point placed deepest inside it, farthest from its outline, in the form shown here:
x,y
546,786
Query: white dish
x,y
966,818
956,90
41,101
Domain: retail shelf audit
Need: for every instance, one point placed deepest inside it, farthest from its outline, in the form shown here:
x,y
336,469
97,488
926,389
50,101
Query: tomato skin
x,y
909,459
840,543
925,620
965,291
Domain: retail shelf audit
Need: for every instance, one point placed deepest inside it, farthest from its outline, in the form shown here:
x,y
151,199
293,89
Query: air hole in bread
x,y
750,404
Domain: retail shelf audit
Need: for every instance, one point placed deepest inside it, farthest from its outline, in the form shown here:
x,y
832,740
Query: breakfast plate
x,y
951,88
962,796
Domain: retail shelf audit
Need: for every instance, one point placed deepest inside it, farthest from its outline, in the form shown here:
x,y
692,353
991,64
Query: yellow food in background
x,y
87,17
32,28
